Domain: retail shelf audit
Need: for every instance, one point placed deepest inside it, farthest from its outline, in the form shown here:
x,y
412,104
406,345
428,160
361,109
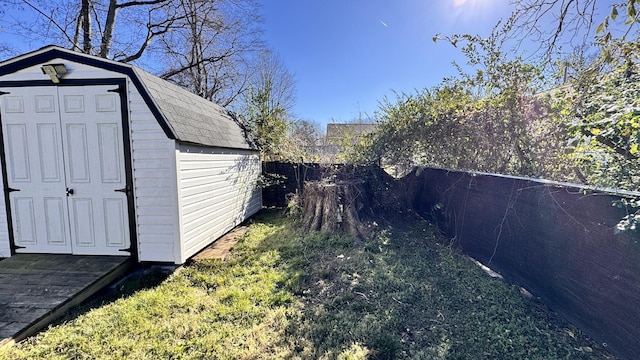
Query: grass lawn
x,y
282,294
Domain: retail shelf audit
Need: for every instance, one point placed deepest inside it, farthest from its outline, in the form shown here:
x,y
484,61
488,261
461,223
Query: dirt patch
x,y
221,247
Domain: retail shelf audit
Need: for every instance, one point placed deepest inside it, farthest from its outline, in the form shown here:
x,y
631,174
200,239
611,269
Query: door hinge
x,y
127,249
12,190
118,90
4,93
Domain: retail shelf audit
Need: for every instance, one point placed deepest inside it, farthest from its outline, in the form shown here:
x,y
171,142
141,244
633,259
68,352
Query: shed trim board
x,y
183,156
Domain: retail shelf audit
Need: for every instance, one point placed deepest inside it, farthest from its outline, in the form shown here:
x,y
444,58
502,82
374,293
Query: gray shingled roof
x,y
193,118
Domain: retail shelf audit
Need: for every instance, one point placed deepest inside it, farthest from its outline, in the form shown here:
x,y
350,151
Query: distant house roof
x,y
184,116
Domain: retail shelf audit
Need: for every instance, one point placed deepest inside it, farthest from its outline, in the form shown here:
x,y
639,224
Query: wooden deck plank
x,y
57,279
38,290
13,328
14,315
36,301
35,289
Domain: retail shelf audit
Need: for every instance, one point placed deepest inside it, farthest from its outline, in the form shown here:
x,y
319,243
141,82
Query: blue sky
x,y
347,55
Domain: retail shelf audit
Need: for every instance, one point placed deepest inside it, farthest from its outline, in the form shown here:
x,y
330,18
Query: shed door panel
x,y
93,148
64,150
33,153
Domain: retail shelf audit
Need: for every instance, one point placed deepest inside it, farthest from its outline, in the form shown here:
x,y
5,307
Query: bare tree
x,y
208,46
121,30
267,103
211,47
270,73
306,140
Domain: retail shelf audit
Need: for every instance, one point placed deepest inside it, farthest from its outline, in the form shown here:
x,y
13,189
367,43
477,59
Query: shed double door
x,y
65,170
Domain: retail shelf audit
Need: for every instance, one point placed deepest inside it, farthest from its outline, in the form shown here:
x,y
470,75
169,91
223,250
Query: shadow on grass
x,y
403,294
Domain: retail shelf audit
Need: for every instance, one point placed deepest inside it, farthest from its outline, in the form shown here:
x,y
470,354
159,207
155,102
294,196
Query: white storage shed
x,y
103,158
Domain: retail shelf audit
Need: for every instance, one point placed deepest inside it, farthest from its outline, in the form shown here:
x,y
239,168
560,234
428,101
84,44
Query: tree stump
x,y
333,208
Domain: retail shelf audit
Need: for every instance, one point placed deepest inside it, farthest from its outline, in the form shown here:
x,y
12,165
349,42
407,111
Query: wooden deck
x,y
37,288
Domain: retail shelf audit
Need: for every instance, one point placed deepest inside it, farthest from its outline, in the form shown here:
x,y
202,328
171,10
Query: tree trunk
x,y
333,208
86,26
109,25
76,33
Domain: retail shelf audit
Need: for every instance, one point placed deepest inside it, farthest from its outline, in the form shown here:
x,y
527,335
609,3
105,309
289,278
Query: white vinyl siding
x,y
154,184
218,189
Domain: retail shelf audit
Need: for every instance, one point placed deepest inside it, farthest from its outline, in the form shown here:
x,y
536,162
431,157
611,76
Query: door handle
x,y
125,190
69,191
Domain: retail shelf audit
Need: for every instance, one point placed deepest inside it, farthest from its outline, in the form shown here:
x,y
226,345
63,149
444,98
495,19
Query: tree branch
x,y
150,36
50,18
610,144
136,3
